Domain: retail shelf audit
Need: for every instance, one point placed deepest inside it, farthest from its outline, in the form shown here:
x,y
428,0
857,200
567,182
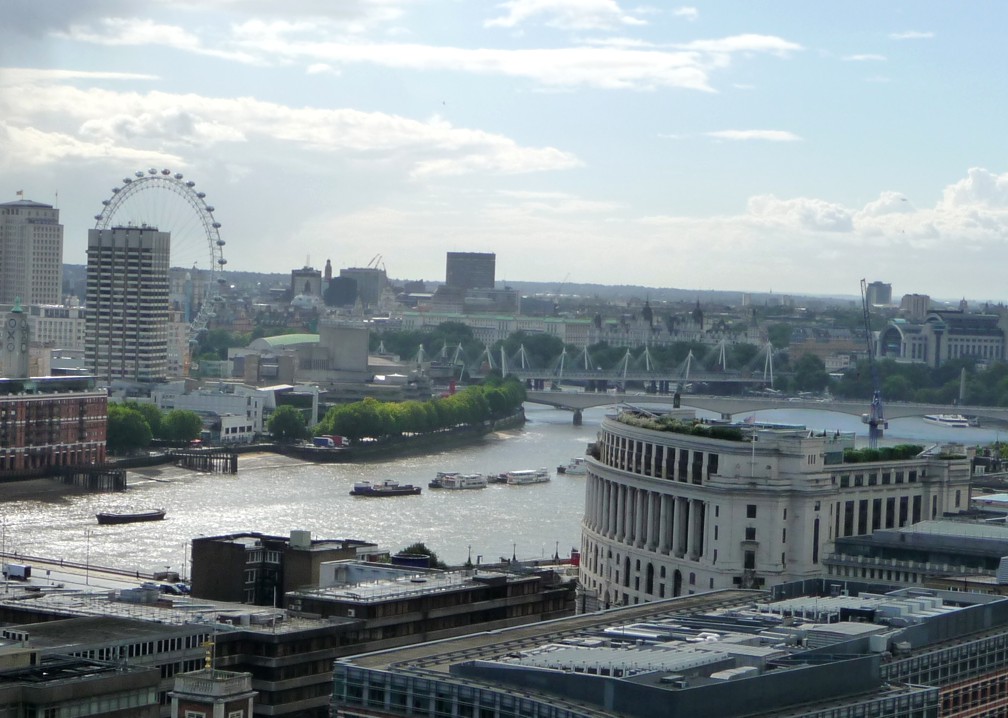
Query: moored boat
x,y
957,421
576,467
464,481
113,517
527,476
438,481
387,487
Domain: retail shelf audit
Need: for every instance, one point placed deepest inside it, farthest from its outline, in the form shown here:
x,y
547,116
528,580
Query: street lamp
x,y
87,559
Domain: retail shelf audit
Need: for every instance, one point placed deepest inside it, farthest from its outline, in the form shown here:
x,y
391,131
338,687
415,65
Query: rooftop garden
x,y
675,425
899,452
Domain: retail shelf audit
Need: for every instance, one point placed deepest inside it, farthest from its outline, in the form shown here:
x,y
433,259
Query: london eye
x,y
170,203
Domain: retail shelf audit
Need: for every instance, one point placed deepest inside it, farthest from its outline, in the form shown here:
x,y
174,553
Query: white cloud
x,y
865,58
748,42
911,35
19,75
979,189
321,68
764,135
690,13
564,14
170,125
800,213
140,32
620,65
25,147
563,203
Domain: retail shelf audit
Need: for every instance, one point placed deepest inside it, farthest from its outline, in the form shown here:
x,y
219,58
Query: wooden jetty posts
x,y
94,477
214,461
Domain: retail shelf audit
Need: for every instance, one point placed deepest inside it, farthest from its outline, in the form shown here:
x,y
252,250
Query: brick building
x,y
48,422
259,569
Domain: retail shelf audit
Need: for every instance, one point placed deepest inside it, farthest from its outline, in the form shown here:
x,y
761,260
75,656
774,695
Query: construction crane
x,y
875,418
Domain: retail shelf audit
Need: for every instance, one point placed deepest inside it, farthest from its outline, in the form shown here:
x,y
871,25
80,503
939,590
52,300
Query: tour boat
x,y
383,488
957,421
110,517
463,481
527,476
576,467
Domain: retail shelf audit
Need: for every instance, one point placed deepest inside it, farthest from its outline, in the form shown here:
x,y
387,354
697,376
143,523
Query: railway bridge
x,y
729,406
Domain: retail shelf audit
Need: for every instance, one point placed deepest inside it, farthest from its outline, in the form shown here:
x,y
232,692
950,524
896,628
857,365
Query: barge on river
x,y
112,517
383,488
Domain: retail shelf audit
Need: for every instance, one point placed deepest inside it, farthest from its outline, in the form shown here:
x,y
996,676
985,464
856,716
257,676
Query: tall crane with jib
x,y
875,418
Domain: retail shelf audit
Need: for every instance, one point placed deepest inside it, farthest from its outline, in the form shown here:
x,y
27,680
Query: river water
x,y
274,494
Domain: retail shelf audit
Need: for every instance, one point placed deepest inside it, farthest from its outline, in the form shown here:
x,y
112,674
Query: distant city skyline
x,y
791,148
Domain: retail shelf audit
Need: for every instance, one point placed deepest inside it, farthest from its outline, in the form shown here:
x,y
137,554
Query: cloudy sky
x,y
792,147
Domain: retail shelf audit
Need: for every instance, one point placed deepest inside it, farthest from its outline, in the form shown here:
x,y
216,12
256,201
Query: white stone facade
x,y
31,253
669,514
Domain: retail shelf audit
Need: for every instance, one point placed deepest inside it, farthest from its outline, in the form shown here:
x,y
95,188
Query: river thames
x,y
274,494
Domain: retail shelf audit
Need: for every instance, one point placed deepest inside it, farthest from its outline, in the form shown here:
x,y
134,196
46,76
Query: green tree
x,y
420,549
779,335
181,425
810,374
287,424
127,430
897,388
151,414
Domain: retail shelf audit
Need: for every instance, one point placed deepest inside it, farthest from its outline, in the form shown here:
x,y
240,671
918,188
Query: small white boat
x,y
576,467
957,421
527,476
463,481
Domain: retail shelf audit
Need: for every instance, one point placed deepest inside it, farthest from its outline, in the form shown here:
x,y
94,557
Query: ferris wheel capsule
x,y
138,173
152,171
166,172
209,208
178,175
127,180
190,184
201,195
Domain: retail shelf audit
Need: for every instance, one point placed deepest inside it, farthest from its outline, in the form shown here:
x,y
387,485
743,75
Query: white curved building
x,y
669,513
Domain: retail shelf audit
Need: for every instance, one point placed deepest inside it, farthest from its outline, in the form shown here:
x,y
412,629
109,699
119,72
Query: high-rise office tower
x,y
470,270
879,294
128,309
31,253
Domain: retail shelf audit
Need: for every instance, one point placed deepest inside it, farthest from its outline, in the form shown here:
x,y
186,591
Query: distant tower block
x,y
14,346
470,270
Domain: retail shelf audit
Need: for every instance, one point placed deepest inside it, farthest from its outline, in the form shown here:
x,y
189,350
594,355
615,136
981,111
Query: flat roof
x,y
94,629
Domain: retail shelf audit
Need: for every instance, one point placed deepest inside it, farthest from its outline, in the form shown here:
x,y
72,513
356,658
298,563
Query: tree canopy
x,y
180,425
419,548
287,424
370,418
127,430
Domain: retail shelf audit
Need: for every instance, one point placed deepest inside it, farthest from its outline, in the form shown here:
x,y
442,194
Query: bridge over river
x,y
729,406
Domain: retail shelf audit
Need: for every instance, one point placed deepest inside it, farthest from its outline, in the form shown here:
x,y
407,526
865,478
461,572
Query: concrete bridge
x,y
728,406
